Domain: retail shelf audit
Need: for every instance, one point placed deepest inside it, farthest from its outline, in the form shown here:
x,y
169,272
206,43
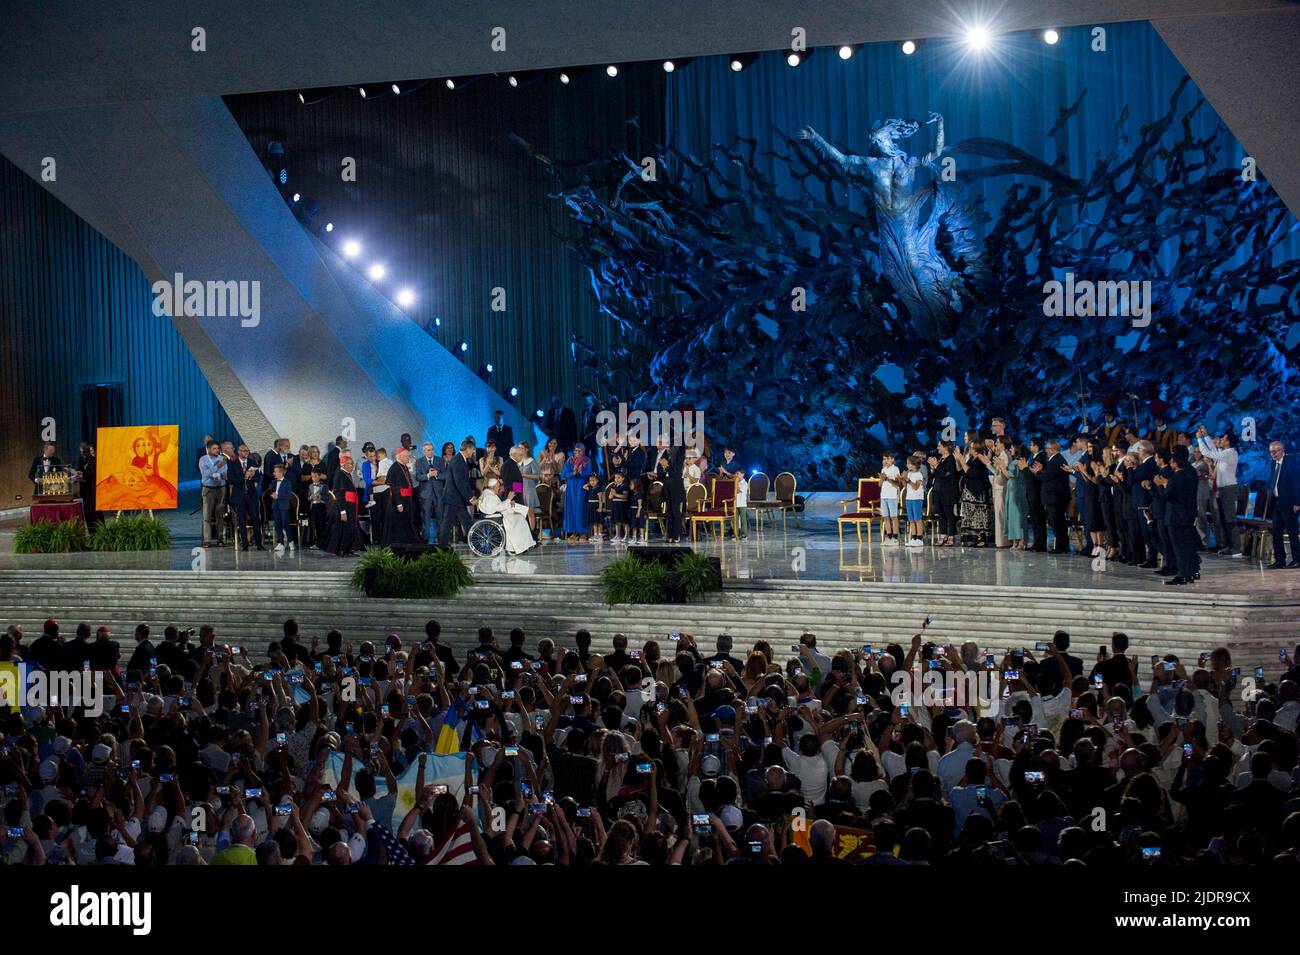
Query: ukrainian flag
x,y
449,736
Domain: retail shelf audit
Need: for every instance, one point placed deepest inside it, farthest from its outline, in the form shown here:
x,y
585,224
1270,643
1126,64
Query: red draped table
x,y
56,513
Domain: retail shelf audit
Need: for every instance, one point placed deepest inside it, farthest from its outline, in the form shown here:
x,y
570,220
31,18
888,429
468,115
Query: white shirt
x,y
1225,462
384,467
889,492
915,486
895,764
813,771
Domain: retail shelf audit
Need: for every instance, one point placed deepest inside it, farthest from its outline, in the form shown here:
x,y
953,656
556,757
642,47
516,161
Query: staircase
x,y
248,608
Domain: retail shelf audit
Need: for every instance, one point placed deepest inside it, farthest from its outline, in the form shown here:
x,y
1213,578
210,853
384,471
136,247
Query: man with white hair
x,y
821,842
519,537
243,834
952,765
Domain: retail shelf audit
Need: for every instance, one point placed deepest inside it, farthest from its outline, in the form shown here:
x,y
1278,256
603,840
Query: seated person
x,y
514,520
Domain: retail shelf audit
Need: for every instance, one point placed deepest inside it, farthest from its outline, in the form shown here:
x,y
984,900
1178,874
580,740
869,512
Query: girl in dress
x,y
635,512
618,498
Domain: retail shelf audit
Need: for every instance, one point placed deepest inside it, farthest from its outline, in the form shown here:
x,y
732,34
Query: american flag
x,y
458,849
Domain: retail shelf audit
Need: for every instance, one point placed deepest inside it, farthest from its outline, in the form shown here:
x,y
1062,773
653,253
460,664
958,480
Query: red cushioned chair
x,y
863,509
720,510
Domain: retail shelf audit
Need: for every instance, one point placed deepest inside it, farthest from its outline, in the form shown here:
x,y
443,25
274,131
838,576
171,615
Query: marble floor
x,y
809,550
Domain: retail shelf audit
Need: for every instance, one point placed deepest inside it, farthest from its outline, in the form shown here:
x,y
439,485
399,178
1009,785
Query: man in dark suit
x,y
1284,504
86,468
332,457
48,649
561,424
1053,479
1140,484
77,650
244,500
277,455
144,654
591,424
668,464
501,433
1177,495
423,472
458,494
174,651
1159,521
1034,493
43,462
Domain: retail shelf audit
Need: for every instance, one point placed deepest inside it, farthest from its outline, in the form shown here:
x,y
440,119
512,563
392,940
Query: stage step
x,y
251,608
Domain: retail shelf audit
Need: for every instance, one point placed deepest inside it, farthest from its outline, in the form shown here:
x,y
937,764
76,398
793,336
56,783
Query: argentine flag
x,y
440,770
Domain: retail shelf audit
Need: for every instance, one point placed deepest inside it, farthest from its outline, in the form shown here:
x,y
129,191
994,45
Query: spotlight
x,y
302,98
329,227
669,66
540,413
977,38
397,90
451,84
564,78
740,61
464,347
793,59
438,322
362,91
352,248
405,297
1050,37
513,81
846,52
489,367
376,271
297,196
611,70
284,176
909,47
514,392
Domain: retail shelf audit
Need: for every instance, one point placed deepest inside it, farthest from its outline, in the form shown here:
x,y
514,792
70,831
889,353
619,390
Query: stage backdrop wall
x,y
454,207
1014,91
76,311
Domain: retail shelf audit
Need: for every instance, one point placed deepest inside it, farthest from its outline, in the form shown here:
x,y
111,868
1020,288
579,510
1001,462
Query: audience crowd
x,y
205,751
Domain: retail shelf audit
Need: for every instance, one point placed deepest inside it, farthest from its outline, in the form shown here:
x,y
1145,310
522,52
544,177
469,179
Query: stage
x,y
777,583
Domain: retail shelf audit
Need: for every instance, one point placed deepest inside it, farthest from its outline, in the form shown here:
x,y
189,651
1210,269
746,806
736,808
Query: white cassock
x,y
519,537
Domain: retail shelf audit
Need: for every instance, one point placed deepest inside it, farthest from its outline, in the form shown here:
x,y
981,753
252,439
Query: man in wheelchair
x,y
501,518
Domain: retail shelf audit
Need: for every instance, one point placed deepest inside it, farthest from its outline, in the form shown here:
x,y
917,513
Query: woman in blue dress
x,y
574,474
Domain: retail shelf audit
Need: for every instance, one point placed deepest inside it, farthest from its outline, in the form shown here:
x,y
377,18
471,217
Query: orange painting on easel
x,y
137,468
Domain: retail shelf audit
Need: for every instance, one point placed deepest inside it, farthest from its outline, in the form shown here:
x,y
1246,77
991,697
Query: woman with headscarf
x,y
574,474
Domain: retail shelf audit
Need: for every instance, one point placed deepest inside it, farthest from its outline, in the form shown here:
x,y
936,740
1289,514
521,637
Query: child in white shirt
x,y
890,482
915,502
